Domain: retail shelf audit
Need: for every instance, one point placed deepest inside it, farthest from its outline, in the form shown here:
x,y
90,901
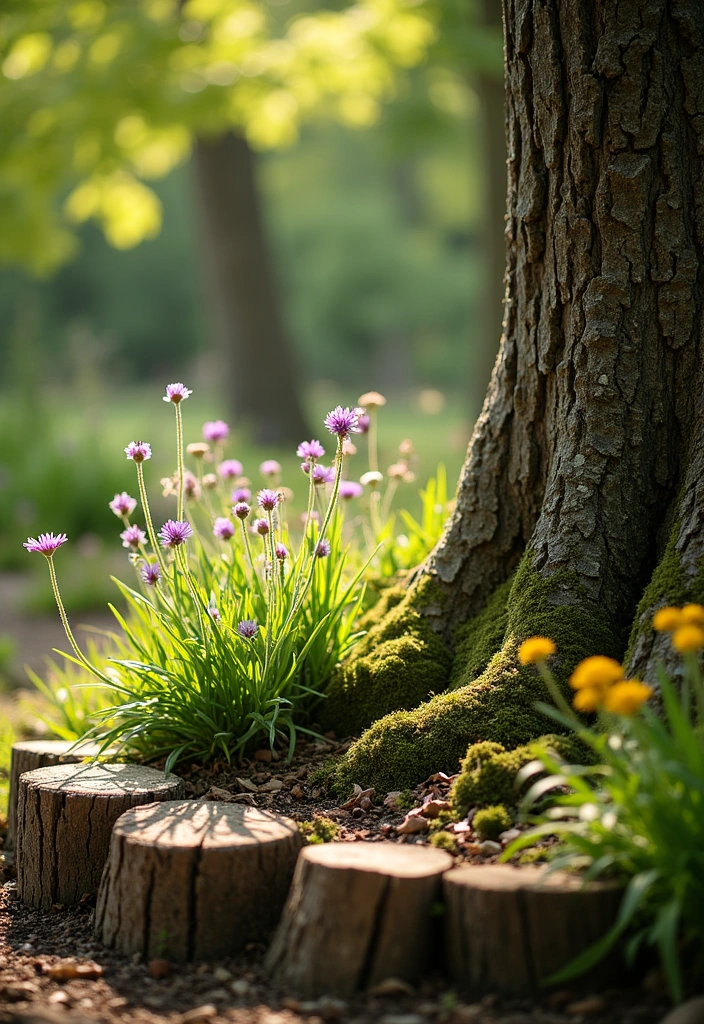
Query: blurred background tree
x,y
262,194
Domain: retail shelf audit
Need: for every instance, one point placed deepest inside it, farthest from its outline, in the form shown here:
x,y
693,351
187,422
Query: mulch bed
x,y
236,990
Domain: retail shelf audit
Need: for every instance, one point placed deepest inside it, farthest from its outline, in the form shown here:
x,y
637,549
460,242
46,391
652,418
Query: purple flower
x,y
175,532
310,450
132,537
123,505
322,548
247,628
314,516
215,430
223,528
214,611
350,489
270,467
230,468
241,509
241,494
342,422
46,543
323,474
268,499
261,526
191,487
281,552
362,422
138,451
176,393
150,573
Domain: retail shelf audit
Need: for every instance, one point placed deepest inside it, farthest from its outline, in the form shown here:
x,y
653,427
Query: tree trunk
x,y
583,476
492,113
258,364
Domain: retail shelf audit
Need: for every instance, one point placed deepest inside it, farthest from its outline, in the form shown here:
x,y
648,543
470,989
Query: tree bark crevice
x,y
591,425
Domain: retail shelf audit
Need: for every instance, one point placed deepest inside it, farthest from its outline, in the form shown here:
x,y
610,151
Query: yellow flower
x,y
535,648
693,615
597,672
688,638
587,699
666,620
625,698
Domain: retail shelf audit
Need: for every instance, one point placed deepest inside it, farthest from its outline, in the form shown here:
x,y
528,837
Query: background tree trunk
x,y
259,365
580,466
492,112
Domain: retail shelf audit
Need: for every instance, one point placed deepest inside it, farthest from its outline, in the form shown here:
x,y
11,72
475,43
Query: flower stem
x,y
148,517
65,623
556,694
179,459
373,453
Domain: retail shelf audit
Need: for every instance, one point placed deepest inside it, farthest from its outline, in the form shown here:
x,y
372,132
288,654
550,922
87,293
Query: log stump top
x,y
194,880
387,859
209,825
58,748
98,779
530,877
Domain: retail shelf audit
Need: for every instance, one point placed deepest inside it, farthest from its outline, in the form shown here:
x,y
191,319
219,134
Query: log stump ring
x,y
30,754
65,814
507,929
357,913
195,880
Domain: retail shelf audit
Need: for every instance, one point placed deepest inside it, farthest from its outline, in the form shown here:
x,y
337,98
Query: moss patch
x,y
477,641
489,770
490,822
407,746
399,663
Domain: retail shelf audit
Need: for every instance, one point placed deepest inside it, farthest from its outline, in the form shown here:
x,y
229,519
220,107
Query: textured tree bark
x,y
196,880
30,754
492,113
506,930
585,465
65,815
258,363
357,913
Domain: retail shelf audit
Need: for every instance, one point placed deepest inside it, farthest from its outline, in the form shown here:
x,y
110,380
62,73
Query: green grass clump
x,y
490,822
319,830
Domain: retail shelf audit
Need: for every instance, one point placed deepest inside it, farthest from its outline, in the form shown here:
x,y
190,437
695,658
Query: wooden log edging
x,y
195,880
509,928
357,914
65,814
30,754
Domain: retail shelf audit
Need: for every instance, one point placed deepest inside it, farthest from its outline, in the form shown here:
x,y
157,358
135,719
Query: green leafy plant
x,y
638,813
490,822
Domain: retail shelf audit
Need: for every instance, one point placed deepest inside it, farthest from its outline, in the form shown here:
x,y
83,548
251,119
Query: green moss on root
x,y
399,663
406,746
478,640
489,770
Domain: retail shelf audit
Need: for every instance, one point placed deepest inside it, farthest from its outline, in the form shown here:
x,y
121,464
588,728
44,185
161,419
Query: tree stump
x,y
30,754
195,880
507,929
357,913
65,814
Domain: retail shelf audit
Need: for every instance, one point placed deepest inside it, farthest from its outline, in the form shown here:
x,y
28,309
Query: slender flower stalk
x,y
156,548
179,459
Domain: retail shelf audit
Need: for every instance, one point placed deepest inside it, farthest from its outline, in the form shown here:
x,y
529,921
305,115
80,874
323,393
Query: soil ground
x,y
236,990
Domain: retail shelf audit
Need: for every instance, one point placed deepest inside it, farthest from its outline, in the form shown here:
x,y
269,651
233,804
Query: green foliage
x,y
7,738
491,821
398,664
501,705
636,815
319,830
73,699
444,841
489,771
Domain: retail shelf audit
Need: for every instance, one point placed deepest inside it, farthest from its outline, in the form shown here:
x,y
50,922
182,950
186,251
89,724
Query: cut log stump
x,y
357,913
30,754
195,880
507,929
65,814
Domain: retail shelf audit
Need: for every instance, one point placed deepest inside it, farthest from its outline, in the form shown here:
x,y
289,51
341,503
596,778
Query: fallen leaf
x,y
357,795
413,823
246,785
392,987
64,970
272,787
432,808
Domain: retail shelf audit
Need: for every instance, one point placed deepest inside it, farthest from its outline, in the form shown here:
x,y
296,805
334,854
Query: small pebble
x,y
240,987
262,755
159,968
392,987
221,974
198,1013
488,848
297,792
272,787
509,835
